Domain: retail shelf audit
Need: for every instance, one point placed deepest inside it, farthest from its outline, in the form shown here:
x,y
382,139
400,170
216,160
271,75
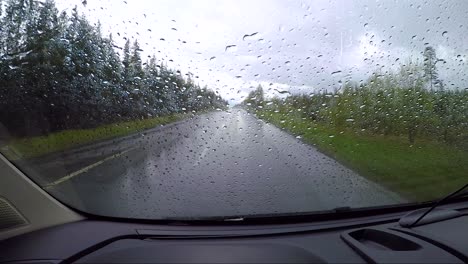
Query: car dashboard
x,y
441,238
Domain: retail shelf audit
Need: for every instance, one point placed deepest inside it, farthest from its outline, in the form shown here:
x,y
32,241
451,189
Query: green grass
x,y
426,170
67,139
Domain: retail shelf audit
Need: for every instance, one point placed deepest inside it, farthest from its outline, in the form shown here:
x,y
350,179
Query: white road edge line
x,y
85,169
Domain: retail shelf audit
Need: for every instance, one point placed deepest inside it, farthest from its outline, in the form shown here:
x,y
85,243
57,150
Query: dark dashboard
x,y
441,238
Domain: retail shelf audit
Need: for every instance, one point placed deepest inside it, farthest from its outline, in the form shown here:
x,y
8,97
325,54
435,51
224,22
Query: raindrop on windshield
x,y
249,35
335,72
230,47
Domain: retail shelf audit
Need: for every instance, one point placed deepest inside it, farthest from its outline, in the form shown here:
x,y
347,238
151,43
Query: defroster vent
x,y
9,216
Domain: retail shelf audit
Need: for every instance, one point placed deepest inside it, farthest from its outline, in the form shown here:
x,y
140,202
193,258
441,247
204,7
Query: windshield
x,y
195,109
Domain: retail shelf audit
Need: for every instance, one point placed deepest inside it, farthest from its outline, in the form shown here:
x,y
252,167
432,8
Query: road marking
x,y
85,169
206,148
200,158
202,155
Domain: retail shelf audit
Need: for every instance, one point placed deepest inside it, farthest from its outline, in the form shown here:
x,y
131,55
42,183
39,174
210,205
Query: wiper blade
x,y
456,194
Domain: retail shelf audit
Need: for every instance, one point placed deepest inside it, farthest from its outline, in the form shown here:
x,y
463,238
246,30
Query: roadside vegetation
x,y
403,129
426,170
62,83
31,147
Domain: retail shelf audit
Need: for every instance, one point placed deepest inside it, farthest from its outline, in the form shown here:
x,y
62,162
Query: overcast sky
x,y
298,46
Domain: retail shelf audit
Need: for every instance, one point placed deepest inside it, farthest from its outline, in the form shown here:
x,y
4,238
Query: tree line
x,y
58,71
410,102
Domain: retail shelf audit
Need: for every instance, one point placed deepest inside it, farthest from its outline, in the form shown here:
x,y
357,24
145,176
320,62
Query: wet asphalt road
x,y
218,164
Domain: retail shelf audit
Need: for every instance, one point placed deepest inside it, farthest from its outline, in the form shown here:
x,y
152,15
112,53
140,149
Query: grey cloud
x,y
297,44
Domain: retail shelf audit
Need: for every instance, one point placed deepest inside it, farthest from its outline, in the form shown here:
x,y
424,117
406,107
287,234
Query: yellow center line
x,y
85,169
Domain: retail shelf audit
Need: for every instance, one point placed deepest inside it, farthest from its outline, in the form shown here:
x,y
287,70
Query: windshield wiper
x,y
456,194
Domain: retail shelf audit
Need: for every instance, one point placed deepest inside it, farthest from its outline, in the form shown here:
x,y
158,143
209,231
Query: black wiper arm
x,y
457,193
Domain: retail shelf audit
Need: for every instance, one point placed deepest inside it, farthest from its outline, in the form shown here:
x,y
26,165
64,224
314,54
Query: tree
x,y
126,61
58,72
18,13
255,99
430,69
2,37
135,61
410,80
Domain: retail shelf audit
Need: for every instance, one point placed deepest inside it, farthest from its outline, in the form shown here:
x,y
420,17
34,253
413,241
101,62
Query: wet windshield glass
x,y
195,109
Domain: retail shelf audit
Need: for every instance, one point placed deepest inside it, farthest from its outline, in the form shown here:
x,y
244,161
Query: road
x,y
217,164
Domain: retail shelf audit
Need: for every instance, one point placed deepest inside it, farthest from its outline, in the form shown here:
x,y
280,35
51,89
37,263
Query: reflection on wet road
x,y
218,164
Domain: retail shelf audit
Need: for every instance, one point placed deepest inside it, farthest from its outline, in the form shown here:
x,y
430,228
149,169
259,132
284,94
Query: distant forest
x,y
58,72
411,101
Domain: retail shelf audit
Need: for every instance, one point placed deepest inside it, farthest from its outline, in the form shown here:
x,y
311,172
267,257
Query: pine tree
x,y
58,72
135,61
2,38
430,69
17,15
126,61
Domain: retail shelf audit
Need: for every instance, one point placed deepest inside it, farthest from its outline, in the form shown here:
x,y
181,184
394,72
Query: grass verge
x,y
38,146
427,170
